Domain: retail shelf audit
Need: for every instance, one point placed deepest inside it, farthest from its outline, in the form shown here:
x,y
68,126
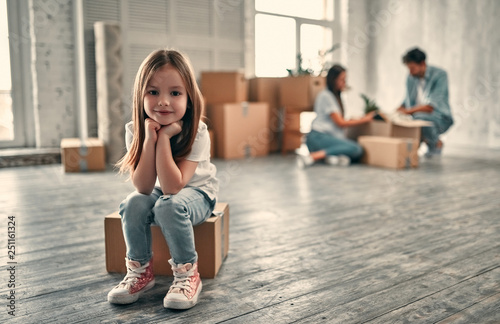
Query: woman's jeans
x,y
175,214
317,141
430,134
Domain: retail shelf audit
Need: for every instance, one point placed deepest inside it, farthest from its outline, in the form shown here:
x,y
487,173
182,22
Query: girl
x,y
327,141
168,157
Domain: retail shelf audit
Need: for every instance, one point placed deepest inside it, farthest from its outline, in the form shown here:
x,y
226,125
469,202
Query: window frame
x,y
20,62
334,25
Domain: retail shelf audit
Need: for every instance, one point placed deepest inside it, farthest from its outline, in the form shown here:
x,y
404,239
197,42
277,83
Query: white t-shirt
x,y
421,100
324,105
204,175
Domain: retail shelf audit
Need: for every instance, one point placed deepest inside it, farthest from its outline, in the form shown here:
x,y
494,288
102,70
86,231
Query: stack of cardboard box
x,y
297,94
267,90
389,142
240,128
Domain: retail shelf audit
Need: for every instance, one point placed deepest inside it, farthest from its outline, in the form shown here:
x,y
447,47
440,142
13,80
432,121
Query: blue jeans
x,y
430,135
175,214
317,141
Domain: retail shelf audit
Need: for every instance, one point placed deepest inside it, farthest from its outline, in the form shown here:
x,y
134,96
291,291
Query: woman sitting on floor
x,y
327,140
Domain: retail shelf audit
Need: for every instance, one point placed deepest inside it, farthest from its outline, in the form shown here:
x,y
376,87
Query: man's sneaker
x,y
434,154
185,289
138,280
338,160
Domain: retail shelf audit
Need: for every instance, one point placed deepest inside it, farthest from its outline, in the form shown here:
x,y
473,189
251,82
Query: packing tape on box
x,y
223,235
409,147
83,162
244,108
248,151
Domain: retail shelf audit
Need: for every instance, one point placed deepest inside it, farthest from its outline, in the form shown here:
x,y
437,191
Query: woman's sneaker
x,y
185,289
338,160
138,280
304,160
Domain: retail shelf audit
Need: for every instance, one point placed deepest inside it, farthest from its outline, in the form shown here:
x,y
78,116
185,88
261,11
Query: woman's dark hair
x,y
415,55
331,79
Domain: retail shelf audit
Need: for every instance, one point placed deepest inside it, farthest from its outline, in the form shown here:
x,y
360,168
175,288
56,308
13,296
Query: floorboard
x,y
320,245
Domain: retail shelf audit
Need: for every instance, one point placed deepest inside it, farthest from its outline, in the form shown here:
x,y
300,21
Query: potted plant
x,y
370,104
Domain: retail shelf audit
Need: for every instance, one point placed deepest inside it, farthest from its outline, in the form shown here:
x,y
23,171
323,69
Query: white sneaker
x,y
303,160
338,160
185,289
138,280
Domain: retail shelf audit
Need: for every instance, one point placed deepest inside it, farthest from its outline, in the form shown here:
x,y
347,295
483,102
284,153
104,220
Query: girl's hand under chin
x,y
172,129
152,128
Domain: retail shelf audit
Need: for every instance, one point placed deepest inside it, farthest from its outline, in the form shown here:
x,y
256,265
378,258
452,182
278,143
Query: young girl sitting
x,y
168,157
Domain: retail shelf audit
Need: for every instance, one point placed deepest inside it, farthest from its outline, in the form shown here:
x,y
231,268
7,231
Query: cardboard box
x,y
300,91
390,152
211,239
221,87
296,123
292,136
388,128
292,140
276,117
268,90
292,121
265,90
241,129
82,156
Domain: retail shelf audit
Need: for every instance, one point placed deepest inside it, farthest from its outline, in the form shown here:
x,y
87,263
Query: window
x,y
311,9
289,33
315,43
16,127
275,48
6,116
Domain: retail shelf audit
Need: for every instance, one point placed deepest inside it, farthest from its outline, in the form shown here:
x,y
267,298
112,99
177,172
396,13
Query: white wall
x,y
212,33
459,36
52,69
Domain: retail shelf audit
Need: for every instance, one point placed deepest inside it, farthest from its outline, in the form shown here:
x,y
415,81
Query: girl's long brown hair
x,y
182,143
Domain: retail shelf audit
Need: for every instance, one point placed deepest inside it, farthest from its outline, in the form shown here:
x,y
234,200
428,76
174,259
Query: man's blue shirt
x,y
435,91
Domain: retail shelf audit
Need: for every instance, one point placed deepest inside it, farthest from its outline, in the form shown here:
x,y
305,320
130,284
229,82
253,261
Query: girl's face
x,y
340,82
166,98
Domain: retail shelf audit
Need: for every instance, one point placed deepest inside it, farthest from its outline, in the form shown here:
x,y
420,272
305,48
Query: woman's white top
x,y
324,105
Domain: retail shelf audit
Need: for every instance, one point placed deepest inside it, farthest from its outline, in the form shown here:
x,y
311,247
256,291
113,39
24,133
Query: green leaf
x,y
370,104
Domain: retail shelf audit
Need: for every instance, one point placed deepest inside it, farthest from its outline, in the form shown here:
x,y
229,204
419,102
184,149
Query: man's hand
x,y
424,108
402,110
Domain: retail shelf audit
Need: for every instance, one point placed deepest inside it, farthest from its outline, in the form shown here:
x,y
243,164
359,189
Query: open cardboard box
x,y
388,127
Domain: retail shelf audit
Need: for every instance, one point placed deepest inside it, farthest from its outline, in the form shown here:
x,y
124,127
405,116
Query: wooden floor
x,y
321,245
